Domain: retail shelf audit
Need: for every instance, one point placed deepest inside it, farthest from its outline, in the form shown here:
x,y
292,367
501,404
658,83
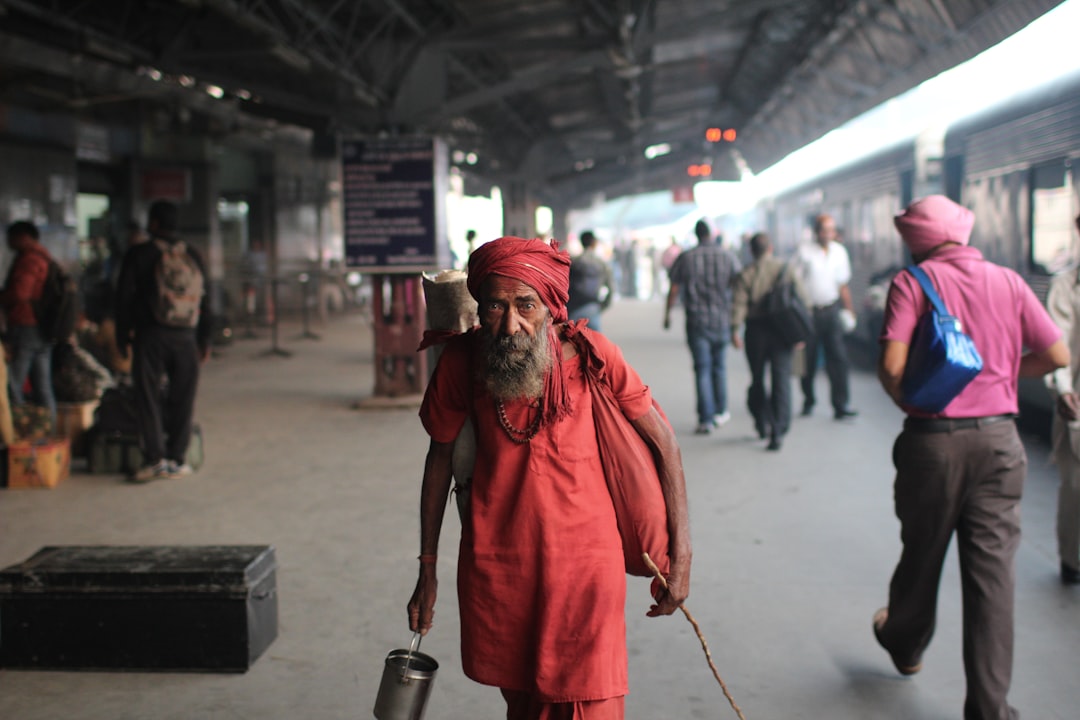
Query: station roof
x,y
564,95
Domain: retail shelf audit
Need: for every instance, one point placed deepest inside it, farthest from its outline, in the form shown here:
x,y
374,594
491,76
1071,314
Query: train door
x,y
1053,208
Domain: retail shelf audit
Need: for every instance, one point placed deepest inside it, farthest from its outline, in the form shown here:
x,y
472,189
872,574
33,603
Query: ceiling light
x,y
215,92
658,150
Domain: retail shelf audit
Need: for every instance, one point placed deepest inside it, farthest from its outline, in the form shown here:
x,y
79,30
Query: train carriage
x,y
1016,165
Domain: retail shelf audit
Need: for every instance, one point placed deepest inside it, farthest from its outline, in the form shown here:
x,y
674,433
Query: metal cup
x,y
406,684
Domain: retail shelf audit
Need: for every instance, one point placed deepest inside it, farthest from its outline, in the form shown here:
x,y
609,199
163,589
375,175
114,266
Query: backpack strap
x,y
928,287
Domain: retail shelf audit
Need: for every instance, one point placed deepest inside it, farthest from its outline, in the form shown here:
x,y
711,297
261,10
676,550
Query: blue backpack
x,y
942,360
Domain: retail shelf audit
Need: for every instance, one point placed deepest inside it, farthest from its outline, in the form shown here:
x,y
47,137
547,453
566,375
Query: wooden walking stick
x,y
704,645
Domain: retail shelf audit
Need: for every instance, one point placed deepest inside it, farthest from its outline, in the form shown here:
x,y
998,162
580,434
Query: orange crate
x,y
42,464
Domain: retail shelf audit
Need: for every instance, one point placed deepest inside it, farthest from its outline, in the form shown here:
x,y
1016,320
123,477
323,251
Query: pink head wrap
x,y
934,220
534,262
546,270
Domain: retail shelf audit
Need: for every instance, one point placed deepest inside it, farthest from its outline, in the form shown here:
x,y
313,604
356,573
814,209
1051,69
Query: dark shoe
x,y
879,622
807,409
703,429
763,431
774,443
844,413
1069,576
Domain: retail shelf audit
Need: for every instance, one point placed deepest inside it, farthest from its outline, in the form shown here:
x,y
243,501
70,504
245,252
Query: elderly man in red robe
x,y
541,579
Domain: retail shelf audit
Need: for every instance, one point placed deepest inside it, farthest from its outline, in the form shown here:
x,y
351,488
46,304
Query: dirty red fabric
x,y
541,583
522,706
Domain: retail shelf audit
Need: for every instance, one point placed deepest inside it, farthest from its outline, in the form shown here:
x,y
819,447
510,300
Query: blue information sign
x,y
394,204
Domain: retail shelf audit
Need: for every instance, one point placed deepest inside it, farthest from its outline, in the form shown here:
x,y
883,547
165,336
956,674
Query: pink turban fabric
x,y
545,269
541,266
934,220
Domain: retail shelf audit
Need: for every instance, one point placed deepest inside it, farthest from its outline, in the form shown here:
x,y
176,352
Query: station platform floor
x,y
792,554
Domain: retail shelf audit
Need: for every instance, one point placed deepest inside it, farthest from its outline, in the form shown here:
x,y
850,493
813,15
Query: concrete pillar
x,y
519,210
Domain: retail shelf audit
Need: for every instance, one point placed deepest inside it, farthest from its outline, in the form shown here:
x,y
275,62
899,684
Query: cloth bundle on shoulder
x,y
942,360
786,312
630,471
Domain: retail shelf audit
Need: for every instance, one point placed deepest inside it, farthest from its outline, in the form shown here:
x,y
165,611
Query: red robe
x,y
541,581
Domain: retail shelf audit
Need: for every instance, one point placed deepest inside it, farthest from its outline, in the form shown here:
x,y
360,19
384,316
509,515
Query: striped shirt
x,y
704,275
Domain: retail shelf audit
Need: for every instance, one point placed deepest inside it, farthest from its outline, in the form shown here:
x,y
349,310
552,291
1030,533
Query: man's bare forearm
x,y
437,475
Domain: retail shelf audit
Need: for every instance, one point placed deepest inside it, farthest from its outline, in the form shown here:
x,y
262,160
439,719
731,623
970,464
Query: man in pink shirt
x,y
961,470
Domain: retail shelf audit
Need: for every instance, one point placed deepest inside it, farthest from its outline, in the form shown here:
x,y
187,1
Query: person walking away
x,y
592,286
826,272
541,584
30,352
162,311
1063,303
961,471
770,408
703,276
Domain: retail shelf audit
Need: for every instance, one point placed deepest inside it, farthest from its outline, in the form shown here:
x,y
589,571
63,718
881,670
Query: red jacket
x,y
24,284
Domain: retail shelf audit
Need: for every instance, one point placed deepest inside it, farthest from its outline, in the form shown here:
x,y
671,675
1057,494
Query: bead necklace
x,y
516,434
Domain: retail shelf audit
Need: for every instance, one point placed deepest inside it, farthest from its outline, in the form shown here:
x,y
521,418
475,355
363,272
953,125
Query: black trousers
x,y
165,418
770,406
829,336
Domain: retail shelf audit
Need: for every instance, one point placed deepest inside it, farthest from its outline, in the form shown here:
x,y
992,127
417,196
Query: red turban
x,y
541,266
545,269
934,220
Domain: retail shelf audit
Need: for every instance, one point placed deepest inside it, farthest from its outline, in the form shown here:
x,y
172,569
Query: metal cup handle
x,y
413,647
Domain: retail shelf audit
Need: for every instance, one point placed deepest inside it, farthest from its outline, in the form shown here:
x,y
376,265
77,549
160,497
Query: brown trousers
x,y
969,482
523,706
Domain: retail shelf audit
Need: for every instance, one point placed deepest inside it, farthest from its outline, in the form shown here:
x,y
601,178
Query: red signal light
x,y
716,135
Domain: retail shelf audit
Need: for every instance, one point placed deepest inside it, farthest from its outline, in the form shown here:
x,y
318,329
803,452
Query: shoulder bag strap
x,y
928,288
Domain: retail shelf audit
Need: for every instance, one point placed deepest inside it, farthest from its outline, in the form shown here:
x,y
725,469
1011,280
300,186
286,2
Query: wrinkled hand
x,y
422,603
1068,406
670,598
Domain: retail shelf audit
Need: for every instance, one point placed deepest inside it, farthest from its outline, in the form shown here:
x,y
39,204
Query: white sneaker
x,y
179,470
146,473
722,419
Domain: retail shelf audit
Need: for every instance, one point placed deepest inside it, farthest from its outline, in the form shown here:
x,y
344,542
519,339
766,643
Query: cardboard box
x,y
72,422
38,464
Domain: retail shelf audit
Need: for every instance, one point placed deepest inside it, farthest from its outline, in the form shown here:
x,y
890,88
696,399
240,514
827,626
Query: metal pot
x,y
406,683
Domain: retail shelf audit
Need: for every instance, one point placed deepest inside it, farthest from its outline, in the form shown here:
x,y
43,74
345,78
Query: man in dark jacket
x,y
162,311
30,352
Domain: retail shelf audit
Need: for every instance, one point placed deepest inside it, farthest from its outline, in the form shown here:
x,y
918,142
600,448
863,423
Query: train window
x,y
1053,243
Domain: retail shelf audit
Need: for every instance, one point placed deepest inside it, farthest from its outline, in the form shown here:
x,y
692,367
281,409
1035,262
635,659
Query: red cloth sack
x,y
630,472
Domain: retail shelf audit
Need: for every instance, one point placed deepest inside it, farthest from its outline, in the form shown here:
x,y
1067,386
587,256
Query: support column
x,y
519,210
398,316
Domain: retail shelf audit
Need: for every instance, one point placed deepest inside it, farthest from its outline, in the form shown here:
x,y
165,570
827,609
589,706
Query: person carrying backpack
x,y
162,312
589,277
29,350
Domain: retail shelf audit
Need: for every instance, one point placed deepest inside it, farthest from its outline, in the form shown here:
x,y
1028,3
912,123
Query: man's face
x,y
509,307
826,230
514,325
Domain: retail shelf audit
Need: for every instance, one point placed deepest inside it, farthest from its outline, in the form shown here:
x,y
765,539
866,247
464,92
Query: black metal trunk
x,y
183,608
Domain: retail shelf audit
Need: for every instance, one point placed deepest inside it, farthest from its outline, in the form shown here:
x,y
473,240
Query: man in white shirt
x,y
1063,302
826,271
